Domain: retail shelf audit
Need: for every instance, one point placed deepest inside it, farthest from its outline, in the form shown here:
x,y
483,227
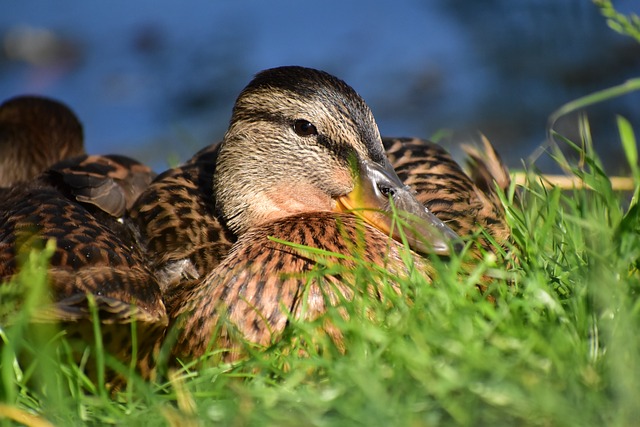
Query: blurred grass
x,y
624,24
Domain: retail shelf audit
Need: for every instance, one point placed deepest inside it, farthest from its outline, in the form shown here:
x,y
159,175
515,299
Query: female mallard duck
x,y
79,202
186,237
35,133
301,162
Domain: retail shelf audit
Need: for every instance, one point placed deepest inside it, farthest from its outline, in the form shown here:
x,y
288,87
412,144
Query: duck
x,y
80,201
185,236
215,250
35,133
302,164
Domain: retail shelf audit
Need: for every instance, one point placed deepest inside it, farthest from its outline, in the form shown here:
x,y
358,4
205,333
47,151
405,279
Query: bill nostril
x,y
458,246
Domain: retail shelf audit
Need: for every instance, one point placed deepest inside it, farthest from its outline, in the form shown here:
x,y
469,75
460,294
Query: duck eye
x,y
304,128
386,191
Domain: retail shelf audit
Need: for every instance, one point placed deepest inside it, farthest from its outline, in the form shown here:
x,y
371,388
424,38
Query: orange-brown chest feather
x,y
263,281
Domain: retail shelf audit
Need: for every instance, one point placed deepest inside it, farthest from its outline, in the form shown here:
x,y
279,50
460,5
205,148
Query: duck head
x,y
35,133
301,140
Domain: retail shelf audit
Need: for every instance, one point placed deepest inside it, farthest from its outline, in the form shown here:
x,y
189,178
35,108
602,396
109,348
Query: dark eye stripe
x,y
342,151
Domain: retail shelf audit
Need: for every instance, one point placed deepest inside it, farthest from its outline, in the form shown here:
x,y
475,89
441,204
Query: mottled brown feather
x,y
89,256
443,187
79,202
486,169
262,282
183,235
111,183
95,256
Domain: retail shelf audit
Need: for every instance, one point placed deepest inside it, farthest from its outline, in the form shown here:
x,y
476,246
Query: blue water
x,y
157,79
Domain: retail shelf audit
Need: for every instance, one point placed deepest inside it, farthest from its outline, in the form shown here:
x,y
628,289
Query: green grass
x,y
558,347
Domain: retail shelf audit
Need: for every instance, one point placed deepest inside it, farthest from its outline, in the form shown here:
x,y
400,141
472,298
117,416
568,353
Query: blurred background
x,y
156,79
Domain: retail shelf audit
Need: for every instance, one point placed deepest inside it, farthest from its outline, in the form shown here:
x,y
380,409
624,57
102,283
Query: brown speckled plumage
x,y
95,255
467,205
271,183
79,202
111,183
183,236
261,282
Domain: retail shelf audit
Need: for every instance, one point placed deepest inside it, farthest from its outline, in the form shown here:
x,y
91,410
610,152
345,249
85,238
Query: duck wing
x,y
179,227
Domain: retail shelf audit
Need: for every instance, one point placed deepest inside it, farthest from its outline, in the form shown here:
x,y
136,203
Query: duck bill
x,y
378,188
